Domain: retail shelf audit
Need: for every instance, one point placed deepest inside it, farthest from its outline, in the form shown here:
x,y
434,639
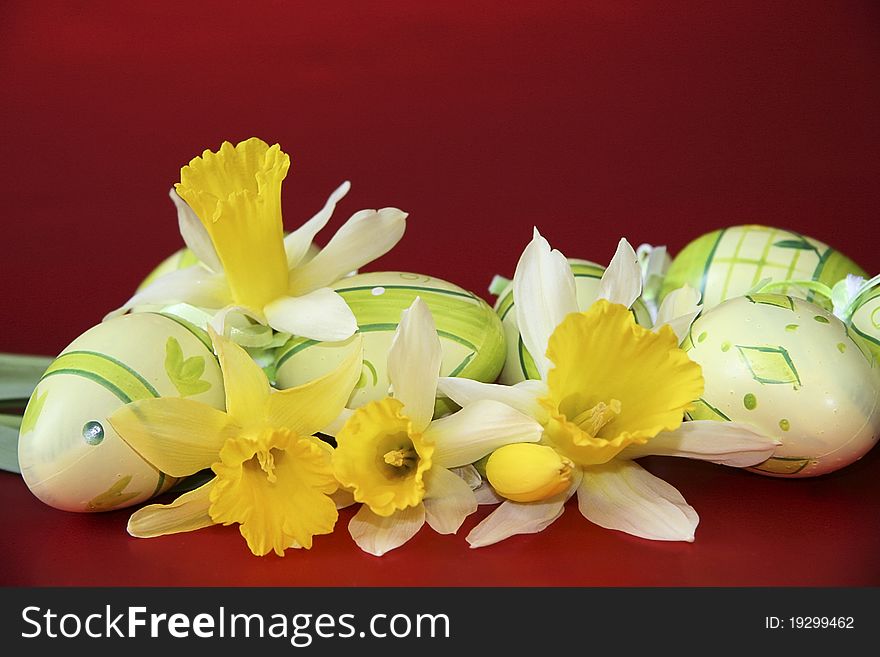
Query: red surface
x,y
591,120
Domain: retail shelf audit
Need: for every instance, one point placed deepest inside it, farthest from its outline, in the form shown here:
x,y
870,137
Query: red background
x,y
592,120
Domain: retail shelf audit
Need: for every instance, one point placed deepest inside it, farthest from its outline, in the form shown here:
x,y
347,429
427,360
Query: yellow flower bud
x,y
526,472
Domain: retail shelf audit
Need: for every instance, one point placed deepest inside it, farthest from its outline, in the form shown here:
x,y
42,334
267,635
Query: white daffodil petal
x,y
523,396
376,535
219,321
544,293
185,514
368,235
414,363
336,425
297,243
319,315
727,443
680,325
342,497
485,494
622,281
194,234
470,475
478,429
448,500
679,310
623,495
512,518
194,285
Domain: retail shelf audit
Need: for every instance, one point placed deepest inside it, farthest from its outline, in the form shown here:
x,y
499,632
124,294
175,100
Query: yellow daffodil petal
x,y
544,293
177,436
448,500
376,535
512,518
526,472
614,383
247,388
381,459
185,514
311,407
623,495
414,363
277,487
236,193
366,236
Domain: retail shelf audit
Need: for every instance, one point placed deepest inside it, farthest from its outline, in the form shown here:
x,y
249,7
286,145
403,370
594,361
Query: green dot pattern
x,y
784,424
820,319
702,337
841,347
791,328
725,346
750,401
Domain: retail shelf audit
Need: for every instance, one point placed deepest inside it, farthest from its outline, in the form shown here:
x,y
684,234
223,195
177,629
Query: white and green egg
x,y
519,364
792,370
70,456
730,262
470,334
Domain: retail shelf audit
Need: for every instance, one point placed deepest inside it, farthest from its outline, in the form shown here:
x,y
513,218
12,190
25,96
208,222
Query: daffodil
x,y
610,391
274,478
229,212
399,463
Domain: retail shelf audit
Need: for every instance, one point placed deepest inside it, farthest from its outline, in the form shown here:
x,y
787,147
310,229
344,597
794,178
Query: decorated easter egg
x,y
790,369
729,262
519,364
865,321
470,334
70,456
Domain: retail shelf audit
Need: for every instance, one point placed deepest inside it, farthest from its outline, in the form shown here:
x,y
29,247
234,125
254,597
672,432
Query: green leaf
x,y
192,368
184,374
9,425
801,244
20,373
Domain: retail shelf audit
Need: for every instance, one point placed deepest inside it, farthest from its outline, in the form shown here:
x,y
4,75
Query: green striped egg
x,y
729,262
790,369
70,456
865,322
519,364
470,334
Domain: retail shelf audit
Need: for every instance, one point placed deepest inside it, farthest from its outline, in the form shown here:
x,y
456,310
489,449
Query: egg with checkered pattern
x,y
729,262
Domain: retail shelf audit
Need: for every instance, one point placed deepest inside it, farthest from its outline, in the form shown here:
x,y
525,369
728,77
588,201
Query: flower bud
x,y
527,472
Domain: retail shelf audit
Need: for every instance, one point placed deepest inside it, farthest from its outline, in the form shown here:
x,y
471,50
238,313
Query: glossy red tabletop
x,y
591,120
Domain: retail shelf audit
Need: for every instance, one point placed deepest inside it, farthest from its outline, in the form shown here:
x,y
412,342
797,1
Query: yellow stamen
x,y
267,463
594,419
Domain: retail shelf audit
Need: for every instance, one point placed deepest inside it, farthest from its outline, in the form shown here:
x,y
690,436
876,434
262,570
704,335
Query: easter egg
x,y
791,370
865,321
729,262
519,364
70,456
470,334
